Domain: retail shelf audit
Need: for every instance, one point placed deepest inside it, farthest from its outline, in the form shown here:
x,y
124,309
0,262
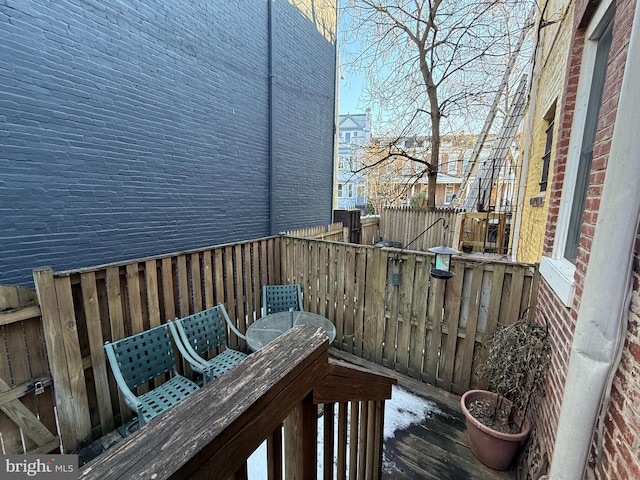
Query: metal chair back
x,y
281,298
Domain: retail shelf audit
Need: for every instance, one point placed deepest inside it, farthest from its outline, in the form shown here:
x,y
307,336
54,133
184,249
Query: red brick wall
x,y
621,457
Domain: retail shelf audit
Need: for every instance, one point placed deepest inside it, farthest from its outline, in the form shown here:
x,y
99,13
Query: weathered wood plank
x,y
274,455
359,291
465,359
301,432
350,281
354,419
18,315
47,298
207,261
451,319
379,292
345,383
229,283
219,275
405,314
74,365
153,298
98,358
184,290
240,319
24,418
196,282
341,464
338,318
118,330
133,294
168,289
329,428
255,281
434,338
419,320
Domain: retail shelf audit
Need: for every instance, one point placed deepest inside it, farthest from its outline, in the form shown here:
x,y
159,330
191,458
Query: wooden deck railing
x,y
212,433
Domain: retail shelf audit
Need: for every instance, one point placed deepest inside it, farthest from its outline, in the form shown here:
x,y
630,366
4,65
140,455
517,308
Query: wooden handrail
x,y
348,383
212,433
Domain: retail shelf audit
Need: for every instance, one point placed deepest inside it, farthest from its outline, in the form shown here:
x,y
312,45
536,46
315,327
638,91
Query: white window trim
x,y
556,270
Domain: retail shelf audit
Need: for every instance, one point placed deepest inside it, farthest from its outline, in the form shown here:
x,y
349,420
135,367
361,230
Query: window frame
x,y
558,271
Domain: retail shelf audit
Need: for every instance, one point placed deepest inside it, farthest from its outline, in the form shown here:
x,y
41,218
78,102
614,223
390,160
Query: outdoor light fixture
x,y
442,269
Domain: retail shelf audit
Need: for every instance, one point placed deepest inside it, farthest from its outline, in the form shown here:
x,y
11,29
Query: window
x,y
349,190
448,194
340,190
347,136
546,158
559,269
360,191
341,163
588,140
452,164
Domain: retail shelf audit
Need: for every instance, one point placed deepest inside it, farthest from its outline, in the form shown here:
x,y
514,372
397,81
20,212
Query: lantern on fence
x,y
442,268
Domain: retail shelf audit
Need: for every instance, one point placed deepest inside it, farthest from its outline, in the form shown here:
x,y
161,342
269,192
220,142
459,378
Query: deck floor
x,y
436,448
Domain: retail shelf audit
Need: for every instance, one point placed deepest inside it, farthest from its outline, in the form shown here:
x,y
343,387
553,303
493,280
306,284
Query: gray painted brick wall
x,y
130,129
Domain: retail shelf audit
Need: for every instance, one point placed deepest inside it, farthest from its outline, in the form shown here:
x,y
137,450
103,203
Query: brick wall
x,y
130,129
621,445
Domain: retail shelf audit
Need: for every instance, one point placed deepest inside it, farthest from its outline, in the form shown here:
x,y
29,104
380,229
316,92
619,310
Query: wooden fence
x,y
84,308
388,310
385,307
404,224
27,420
370,226
335,232
484,232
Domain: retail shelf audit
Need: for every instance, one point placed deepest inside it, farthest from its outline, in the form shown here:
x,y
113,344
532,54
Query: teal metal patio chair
x,y
281,298
140,358
202,341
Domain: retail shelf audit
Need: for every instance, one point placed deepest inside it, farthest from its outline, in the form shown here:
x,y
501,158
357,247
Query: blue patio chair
x,y
281,298
202,341
140,358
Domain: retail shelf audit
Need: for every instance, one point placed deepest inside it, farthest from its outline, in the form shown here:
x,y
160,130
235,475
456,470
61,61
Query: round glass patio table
x,y
270,327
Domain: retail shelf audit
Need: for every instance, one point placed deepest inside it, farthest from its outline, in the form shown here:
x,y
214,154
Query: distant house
x,y
134,128
354,135
405,179
586,134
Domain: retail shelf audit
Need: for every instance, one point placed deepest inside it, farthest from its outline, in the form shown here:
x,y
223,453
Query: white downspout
x,y
603,307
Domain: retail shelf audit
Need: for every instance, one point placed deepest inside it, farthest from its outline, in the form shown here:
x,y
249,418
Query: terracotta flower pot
x,y
495,449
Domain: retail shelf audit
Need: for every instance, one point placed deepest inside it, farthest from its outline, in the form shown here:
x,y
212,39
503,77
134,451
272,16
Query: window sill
x,y
559,274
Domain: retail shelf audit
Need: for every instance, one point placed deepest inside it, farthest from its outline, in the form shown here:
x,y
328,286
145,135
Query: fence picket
x,y
453,300
98,358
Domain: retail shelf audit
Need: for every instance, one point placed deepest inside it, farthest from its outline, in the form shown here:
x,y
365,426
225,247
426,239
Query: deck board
x,y
437,448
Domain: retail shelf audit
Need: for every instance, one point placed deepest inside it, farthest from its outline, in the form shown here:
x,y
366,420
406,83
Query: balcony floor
x,y
437,447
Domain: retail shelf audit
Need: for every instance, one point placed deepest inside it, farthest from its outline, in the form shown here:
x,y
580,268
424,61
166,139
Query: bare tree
x,y
430,68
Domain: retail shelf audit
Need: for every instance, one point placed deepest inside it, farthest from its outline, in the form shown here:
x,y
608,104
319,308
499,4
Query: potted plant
x,y
516,368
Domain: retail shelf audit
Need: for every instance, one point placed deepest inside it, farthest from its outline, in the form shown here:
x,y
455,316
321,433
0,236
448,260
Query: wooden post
x,y
300,445
61,338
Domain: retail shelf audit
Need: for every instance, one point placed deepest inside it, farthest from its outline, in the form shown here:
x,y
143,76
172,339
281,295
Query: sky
x,y
351,84
350,90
